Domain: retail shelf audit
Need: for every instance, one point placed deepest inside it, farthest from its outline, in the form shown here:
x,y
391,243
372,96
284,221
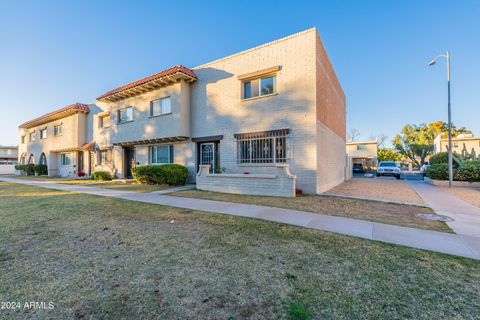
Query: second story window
x,y
161,106
104,122
32,136
259,87
57,130
362,147
125,115
43,133
23,139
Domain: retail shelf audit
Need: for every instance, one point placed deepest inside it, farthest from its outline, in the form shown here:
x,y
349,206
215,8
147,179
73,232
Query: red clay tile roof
x,y
57,114
88,146
165,73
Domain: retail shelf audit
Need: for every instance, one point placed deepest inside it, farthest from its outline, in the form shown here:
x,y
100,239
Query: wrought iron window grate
x,y
262,147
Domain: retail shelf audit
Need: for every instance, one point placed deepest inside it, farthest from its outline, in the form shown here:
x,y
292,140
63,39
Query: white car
x,y
424,167
388,168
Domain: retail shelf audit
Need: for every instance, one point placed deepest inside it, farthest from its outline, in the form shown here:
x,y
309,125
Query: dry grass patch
x,y
114,184
129,186
378,188
104,258
403,215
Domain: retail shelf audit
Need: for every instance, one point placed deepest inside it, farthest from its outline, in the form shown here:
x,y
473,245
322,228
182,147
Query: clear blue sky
x,y
56,53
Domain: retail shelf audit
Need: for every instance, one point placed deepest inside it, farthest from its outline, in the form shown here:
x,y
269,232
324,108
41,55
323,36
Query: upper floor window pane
x,y
362,147
125,115
23,139
43,133
259,87
57,130
161,106
267,85
32,136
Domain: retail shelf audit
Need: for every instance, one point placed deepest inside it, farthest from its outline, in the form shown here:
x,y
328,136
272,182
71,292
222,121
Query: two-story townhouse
x,y
57,139
279,103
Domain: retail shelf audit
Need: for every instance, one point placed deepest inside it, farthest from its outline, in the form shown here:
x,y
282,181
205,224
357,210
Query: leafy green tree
x,y
441,127
388,154
415,142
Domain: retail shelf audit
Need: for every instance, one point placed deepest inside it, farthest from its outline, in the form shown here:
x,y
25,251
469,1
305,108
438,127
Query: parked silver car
x,y
388,168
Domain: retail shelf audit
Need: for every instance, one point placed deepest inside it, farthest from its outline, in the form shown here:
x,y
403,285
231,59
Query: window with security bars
x,y
264,147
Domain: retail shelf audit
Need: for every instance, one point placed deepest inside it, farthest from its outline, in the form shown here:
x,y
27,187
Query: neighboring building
x,y
279,103
8,159
459,143
57,139
8,155
364,152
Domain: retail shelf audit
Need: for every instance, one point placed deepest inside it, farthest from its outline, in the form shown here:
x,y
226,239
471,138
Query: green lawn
x,y
398,214
97,257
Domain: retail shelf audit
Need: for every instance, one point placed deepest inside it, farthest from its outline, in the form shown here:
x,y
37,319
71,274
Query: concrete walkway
x,y
459,245
466,216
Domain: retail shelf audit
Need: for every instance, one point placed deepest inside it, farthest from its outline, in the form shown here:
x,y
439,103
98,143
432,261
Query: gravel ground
x,y
378,188
470,195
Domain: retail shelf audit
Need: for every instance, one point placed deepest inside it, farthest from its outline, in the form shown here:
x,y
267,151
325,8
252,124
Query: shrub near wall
x,y
29,169
102,176
438,171
41,169
468,171
171,174
438,158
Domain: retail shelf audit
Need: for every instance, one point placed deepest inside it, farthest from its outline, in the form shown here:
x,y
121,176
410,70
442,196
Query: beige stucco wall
x,y
145,127
371,151
442,145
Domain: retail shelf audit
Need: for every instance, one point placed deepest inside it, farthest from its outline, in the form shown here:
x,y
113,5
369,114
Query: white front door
x,y
66,165
207,155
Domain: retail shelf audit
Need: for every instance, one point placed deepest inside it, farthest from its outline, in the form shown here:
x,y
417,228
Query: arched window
x,y
23,158
31,159
43,159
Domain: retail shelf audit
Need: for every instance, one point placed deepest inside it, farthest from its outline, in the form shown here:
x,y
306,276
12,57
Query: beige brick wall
x,y
217,107
332,159
332,167
280,182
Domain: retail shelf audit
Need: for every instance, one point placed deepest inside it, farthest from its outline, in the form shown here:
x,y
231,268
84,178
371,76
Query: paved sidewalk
x,y
465,246
175,189
466,216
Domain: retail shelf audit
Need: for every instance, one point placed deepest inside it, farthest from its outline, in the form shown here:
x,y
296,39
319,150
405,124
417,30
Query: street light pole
x,y
450,152
450,155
